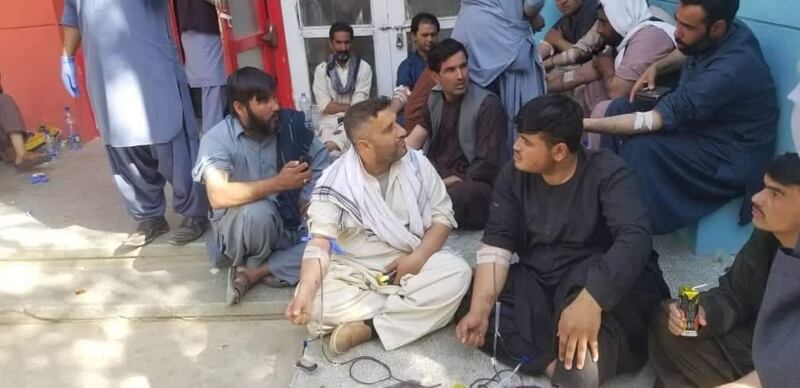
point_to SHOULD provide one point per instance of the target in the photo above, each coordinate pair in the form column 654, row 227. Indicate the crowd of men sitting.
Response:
column 565, row 153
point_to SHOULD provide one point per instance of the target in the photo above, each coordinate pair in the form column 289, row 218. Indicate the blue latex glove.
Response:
column 69, row 76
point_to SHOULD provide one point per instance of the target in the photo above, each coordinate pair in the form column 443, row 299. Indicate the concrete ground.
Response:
column 77, row 311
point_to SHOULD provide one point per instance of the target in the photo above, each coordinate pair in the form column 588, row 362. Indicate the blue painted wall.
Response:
column 776, row 23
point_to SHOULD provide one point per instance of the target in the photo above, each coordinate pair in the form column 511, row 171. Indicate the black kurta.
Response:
column 590, row 232
column 723, row 351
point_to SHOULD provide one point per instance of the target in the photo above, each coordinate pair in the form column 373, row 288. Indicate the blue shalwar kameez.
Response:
column 503, row 54
column 141, row 102
column 718, row 135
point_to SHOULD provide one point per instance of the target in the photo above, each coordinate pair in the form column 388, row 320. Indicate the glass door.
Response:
column 249, row 31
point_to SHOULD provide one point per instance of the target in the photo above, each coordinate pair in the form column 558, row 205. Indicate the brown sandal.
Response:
column 238, row 285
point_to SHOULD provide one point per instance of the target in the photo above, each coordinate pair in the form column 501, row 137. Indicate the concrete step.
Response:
column 141, row 288
column 135, row 354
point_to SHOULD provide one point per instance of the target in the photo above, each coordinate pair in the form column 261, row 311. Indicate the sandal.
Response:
column 238, row 285
column 273, row 281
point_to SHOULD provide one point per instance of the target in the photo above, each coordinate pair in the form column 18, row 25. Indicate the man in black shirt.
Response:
column 578, row 301
column 747, row 324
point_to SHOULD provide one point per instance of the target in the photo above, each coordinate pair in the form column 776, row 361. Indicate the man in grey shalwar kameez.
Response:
column 202, row 46
column 139, row 95
column 258, row 165
column 503, row 54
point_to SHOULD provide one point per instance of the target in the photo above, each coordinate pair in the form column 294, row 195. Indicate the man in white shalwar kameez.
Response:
column 388, row 210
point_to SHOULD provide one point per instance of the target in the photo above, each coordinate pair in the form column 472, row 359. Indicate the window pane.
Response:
column 440, row 8
column 326, row 12
column 251, row 57
column 243, row 17
column 317, row 51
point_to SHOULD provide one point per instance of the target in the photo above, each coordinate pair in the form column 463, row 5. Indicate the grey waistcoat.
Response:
column 467, row 116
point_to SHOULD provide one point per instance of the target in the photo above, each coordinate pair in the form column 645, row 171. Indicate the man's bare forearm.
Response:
column 750, row 380
column 313, row 270
column 72, row 40
column 671, row 63
column 571, row 79
column 623, row 124
column 433, row 240
column 223, row 194
column 334, row 107
column 488, row 284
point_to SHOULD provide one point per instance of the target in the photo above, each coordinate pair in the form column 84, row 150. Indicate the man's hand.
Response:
column 646, row 81
column 331, row 146
column 604, row 65
column 677, row 321
column 294, row 175
column 410, row 264
column 577, row 331
column 298, row 311
column 472, row 329
column 451, row 181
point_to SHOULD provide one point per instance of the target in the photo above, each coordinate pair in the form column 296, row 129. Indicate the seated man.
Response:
column 258, row 165
column 424, row 30
column 342, row 80
column 389, row 212
column 578, row 301
column 640, row 41
column 464, row 126
column 579, row 17
column 12, row 139
column 709, row 140
column 747, row 325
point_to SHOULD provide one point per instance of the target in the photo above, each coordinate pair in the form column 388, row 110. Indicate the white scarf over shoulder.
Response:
column 346, row 184
column 628, row 17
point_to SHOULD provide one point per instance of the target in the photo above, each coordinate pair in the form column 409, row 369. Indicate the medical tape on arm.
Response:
column 488, row 254
column 313, row 252
column 643, row 122
column 568, row 77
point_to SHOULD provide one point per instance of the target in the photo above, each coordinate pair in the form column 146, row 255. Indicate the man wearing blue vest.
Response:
column 258, row 165
column 462, row 129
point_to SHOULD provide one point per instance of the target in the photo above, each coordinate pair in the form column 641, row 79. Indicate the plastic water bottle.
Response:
column 51, row 144
column 73, row 138
column 305, row 106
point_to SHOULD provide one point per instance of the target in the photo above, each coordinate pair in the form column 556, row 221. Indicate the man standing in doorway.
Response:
column 141, row 103
column 202, row 46
column 342, row 80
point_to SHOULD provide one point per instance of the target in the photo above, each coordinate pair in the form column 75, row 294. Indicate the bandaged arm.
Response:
column 568, row 80
column 580, row 52
column 315, row 263
column 629, row 124
column 491, row 273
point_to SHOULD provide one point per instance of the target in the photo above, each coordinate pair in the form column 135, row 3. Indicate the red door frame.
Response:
column 269, row 17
